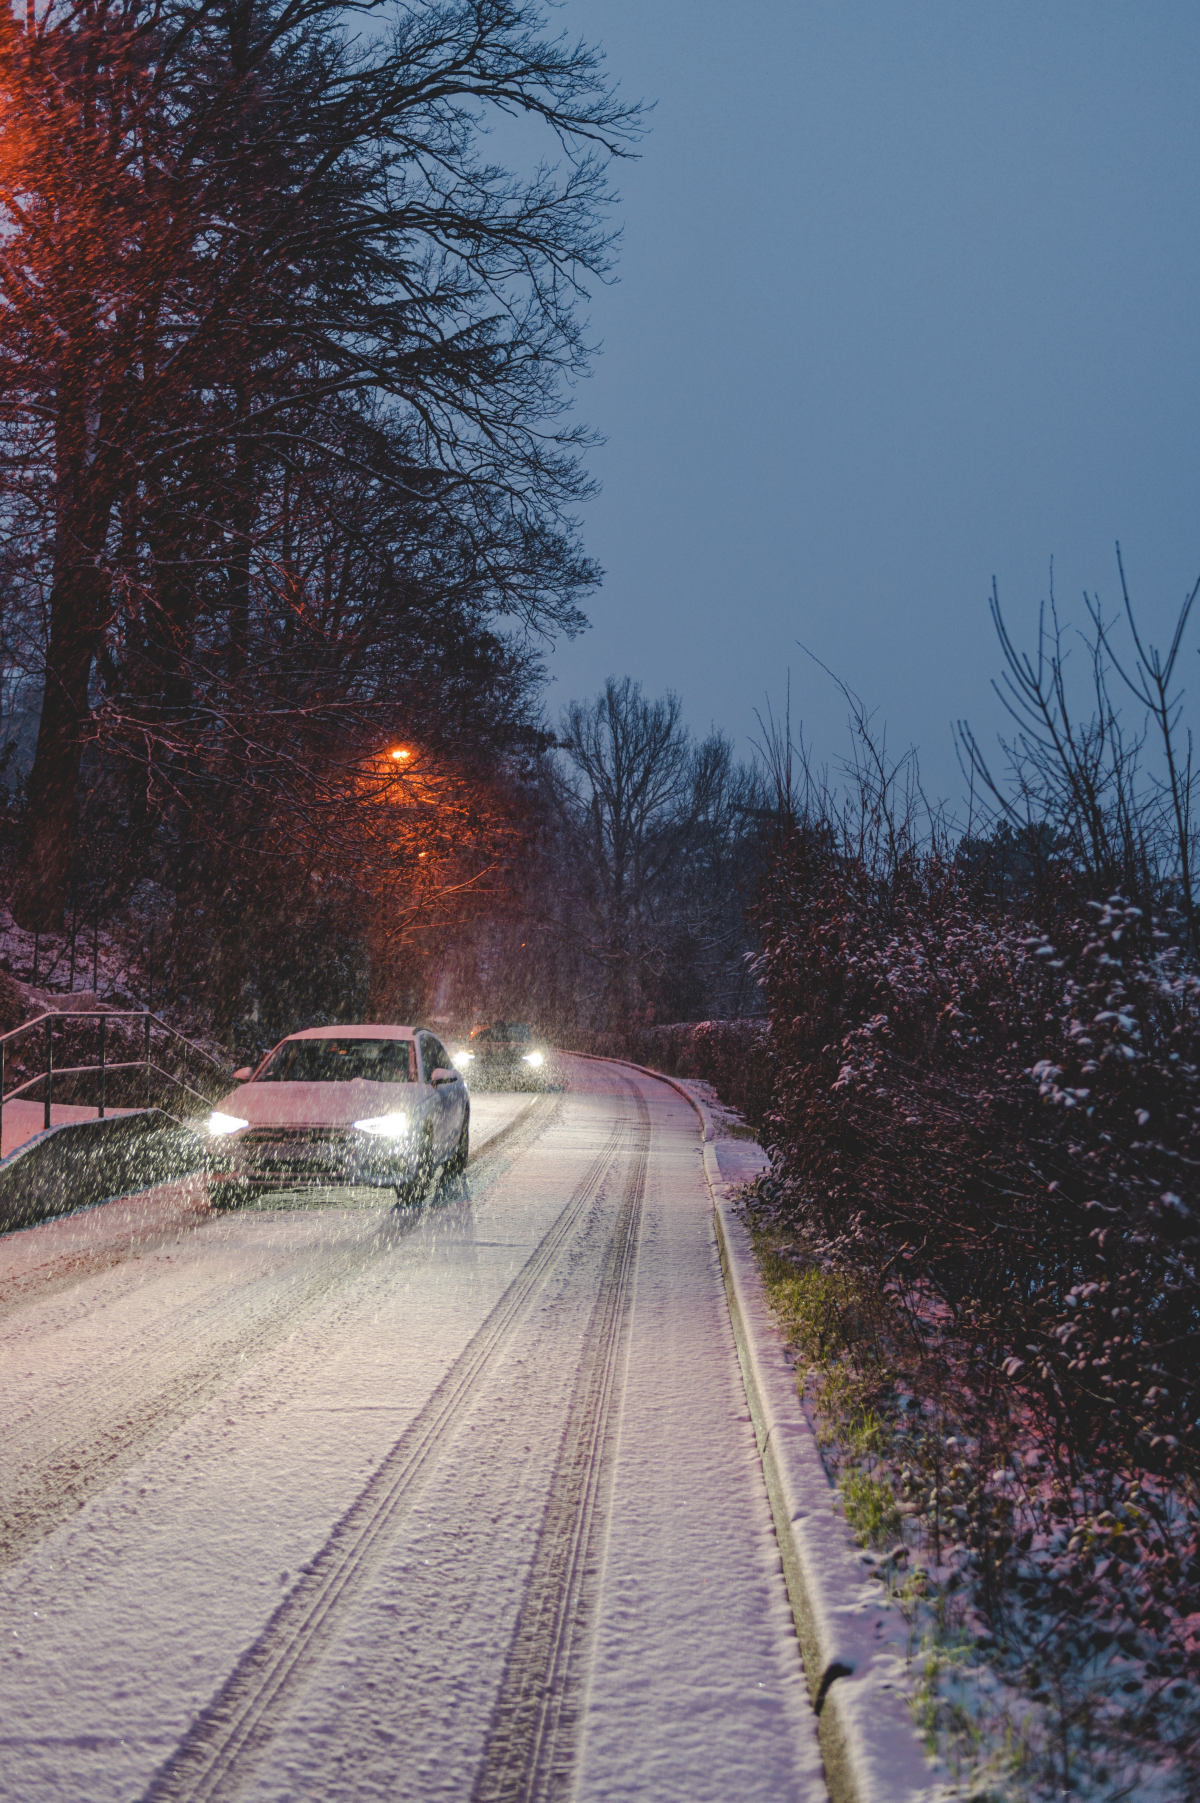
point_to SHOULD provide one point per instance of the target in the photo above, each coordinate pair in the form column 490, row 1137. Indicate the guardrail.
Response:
column 104, row 1066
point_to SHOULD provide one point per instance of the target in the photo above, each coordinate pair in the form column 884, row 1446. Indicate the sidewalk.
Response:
column 24, row 1120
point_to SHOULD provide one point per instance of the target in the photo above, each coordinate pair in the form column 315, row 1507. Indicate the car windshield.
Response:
column 337, row 1061
column 504, row 1032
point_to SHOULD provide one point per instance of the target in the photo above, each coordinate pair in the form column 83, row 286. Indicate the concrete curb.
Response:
column 855, row 1650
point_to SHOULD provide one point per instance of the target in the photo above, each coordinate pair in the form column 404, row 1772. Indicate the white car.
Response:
column 375, row 1105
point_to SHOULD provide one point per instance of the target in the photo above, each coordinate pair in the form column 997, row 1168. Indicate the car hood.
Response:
column 320, row 1104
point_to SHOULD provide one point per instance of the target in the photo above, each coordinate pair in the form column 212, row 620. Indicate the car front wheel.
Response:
column 410, row 1191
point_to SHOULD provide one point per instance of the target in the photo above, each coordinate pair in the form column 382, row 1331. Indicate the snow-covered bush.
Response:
column 1002, row 1130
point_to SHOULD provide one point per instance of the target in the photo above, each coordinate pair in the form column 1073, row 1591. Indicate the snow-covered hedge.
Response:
column 1000, row 1130
column 1009, row 1125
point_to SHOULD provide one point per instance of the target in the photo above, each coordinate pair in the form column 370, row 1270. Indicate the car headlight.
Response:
column 385, row 1126
column 462, row 1059
column 533, row 1058
column 225, row 1123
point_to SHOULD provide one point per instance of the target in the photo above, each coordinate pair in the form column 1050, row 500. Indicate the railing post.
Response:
column 103, row 1024
column 147, row 1057
column 49, row 1069
column 3, row 1059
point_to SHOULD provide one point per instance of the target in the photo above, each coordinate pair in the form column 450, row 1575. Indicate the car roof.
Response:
column 360, row 1030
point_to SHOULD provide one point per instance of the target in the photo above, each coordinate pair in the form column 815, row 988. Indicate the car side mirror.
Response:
column 242, row 1076
column 442, row 1075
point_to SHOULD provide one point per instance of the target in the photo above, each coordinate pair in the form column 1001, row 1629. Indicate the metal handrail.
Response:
column 83, row 1070
column 103, row 1015
column 111, row 1014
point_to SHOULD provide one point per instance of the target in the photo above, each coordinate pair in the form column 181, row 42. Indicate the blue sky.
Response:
column 908, row 298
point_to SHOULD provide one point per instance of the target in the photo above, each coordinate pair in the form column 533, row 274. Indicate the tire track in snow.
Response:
column 72, row 1446
column 533, row 1744
column 219, row 1751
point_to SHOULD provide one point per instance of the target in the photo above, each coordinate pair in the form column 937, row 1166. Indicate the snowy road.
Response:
column 324, row 1503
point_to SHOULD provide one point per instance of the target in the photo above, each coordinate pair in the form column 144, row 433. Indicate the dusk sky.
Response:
column 907, row 299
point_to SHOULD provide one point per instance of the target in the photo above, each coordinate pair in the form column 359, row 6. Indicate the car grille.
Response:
column 295, row 1149
column 293, row 1136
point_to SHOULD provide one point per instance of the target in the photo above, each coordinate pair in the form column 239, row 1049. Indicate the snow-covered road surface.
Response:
column 325, row 1503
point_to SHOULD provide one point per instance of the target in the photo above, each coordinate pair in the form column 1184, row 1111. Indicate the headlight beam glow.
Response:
column 384, row 1126
column 225, row 1123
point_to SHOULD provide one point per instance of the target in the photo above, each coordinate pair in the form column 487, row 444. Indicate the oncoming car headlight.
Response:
column 225, row 1123
column 462, row 1059
column 384, row 1126
column 533, row 1058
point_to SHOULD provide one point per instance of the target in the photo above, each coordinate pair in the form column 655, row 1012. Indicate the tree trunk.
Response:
column 86, row 492
column 41, row 892
column 241, row 527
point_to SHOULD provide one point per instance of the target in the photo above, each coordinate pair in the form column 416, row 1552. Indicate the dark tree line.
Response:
column 285, row 472
column 627, row 904
column 655, row 835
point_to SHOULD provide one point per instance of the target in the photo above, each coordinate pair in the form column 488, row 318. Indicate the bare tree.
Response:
column 225, row 225
column 652, row 853
column 1081, row 792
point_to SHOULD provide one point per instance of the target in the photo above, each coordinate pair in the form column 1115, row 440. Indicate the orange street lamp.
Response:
column 401, row 754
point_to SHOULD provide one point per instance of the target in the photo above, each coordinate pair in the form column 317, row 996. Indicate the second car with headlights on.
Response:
column 505, row 1055
column 379, row 1106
